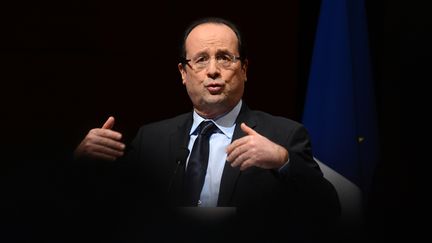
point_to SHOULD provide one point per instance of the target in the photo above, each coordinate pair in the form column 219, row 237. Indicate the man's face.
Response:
column 213, row 89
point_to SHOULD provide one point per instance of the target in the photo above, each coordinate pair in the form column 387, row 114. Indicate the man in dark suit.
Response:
column 255, row 161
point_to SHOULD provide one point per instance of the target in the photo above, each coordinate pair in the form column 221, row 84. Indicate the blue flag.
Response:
column 339, row 110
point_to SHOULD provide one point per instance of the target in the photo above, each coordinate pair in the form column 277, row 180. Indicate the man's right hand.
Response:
column 101, row 143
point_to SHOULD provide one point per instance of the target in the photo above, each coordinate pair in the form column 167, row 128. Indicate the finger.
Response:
column 106, row 133
column 247, row 130
column 107, row 142
column 236, row 143
column 106, row 150
column 109, row 124
column 239, row 160
column 235, row 153
column 246, row 164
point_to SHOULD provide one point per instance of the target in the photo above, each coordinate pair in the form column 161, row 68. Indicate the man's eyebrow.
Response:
column 218, row 52
column 201, row 53
column 224, row 51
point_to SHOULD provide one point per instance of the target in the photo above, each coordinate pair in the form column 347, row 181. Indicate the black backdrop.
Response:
column 68, row 65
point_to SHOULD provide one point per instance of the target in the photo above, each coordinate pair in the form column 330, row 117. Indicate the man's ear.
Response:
column 182, row 70
column 244, row 67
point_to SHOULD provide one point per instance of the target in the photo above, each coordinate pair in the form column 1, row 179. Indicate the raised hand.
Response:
column 101, row 143
column 255, row 150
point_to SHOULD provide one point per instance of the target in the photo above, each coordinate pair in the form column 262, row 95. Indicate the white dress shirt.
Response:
column 217, row 153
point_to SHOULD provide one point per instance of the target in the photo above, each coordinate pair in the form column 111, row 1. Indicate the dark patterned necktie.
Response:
column 197, row 165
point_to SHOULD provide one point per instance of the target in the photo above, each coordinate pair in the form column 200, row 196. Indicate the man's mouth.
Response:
column 215, row 88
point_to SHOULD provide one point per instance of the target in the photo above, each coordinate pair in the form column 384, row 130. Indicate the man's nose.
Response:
column 213, row 70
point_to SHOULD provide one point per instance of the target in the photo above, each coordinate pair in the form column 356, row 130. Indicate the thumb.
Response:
column 247, row 130
column 109, row 124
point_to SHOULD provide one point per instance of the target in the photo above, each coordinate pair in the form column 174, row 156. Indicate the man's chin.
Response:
column 215, row 100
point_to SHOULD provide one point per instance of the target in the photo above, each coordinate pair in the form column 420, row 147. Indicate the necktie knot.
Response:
column 206, row 128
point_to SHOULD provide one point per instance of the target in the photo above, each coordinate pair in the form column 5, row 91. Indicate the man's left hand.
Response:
column 255, row 150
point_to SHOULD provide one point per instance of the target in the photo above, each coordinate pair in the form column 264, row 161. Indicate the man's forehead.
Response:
column 211, row 34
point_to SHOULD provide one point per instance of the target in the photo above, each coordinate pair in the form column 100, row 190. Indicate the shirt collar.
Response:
column 225, row 122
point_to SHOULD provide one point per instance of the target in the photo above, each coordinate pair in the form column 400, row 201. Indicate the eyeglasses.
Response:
column 201, row 62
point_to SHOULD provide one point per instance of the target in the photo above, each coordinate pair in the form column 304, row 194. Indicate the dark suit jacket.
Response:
column 148, row 179
column 153, row 154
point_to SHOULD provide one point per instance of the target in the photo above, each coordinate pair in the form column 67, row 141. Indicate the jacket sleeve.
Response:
column 317, row 194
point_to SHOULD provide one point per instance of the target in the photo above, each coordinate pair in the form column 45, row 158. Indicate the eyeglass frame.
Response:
column 184, row 61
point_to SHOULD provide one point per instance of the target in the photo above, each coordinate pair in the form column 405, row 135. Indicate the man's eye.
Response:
column 201, row 59
column 223, row 58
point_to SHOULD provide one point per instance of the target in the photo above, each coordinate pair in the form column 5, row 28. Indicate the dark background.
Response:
column 68, row 65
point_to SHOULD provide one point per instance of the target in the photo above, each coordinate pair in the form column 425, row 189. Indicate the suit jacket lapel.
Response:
column 179, row 139
column 230, row 174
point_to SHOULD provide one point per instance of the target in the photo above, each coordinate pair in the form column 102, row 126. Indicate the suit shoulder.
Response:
column 279, row 121
column 167, row 124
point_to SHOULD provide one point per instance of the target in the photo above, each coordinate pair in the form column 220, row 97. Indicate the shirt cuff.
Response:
column 285, row 168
